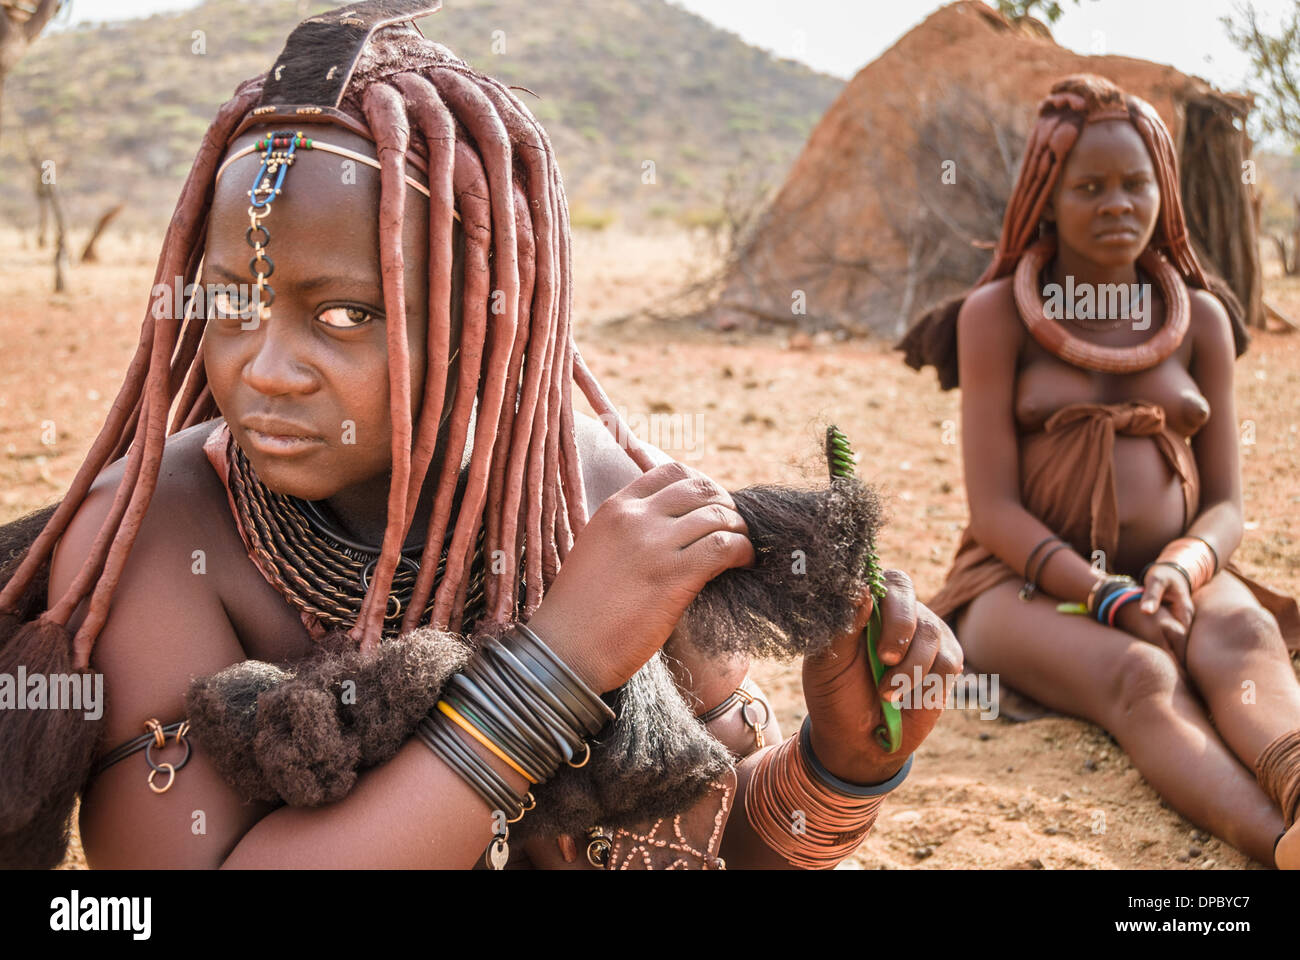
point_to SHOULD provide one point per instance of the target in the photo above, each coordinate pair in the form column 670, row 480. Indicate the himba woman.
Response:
column 1101, row 467
column 372, row 452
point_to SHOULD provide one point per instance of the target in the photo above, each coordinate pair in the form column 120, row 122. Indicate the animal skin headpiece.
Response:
column 307, row 82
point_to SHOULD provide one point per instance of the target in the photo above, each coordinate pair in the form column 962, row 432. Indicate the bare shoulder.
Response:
column 606, row 466
column 1210, row 326
column 166, row 622
column 990, row 311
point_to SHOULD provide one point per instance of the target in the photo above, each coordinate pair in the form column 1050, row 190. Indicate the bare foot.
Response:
column 1287, row 855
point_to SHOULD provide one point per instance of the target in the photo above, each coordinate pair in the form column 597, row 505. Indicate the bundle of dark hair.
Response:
column 302, row 733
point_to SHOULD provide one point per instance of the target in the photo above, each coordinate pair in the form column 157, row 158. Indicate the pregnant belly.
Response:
column 1149, row 499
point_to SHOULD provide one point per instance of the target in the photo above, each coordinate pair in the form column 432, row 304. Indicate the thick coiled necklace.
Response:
column 322, row 571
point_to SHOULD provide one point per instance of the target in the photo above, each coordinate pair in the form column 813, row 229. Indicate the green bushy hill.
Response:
column 121, row 106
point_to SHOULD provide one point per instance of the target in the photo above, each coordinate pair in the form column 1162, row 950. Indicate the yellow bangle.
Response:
column 474, row 732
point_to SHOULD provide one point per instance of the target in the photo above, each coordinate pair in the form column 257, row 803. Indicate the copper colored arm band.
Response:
column 1192, row 557
column 808, row 824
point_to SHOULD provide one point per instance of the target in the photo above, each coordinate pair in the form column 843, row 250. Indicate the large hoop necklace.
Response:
column 322, row 571
column 1056, row 339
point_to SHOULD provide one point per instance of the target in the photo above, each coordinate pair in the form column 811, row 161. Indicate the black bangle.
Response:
column 439, row 736
column 578, row 705
column 482, row 696
column 593, row 703
column 520, row 710
column 534, row 767
column 1031, row 582
column 843, row 786
column 1029, row 561
column 1180, row 568
column 1042, row 565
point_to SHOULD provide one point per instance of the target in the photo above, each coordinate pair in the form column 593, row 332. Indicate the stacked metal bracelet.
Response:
column 524, row 705
column 805, row 813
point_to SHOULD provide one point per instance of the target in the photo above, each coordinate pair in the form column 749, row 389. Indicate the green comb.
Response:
column 840, row 459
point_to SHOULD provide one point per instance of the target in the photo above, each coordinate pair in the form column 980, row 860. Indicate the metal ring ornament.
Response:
column 402, row 560
column 530, row 803
column 767, row 713
column 171, row 777
column 585, row 757
column 148, row 755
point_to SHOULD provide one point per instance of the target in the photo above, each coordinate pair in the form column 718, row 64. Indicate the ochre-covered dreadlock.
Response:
column 486, row 156
column 1061, row 118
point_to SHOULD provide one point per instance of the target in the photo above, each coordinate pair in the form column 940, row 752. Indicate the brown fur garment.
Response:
column 15, row 539
column 45, row 755
column 303, row 732
column 811, row 549
column 290, row 734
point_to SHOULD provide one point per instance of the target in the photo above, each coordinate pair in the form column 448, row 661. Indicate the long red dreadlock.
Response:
column 486, row 156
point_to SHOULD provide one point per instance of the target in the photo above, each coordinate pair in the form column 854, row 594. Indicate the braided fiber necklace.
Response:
column 320, row 570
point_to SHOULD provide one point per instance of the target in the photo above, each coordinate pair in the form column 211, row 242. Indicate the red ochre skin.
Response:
column 318, row 362
column 1124, row 679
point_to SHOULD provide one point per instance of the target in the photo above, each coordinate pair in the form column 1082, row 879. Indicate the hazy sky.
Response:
column 842, row 36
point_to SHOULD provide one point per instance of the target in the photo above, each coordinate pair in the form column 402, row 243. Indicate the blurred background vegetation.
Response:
column 120, row 107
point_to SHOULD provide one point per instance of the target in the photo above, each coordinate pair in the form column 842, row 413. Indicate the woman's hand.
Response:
column 634, row 569
column 1164, row 584
column 1160, row 628
column 842, row 697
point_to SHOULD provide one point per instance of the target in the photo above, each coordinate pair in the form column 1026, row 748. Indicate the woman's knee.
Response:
column 1144, row 676
column 1232, row 635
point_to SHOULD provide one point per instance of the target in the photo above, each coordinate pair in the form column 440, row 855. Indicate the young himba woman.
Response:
column 1098, row 446
column 407, row 284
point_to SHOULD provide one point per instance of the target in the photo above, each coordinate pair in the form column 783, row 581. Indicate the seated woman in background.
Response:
column 365, row 446
column 1101, row 470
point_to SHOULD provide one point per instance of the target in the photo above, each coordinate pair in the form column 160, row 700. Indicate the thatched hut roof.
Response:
column 900, row 189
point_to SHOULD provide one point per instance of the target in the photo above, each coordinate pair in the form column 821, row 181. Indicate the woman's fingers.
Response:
column 897, row 618
column 1174, row 633
column 704, row 520
column 718, row 551
column 921, row 652
column 652, row 481
column 1155, row 591
column 951, row 660
column 688, row 493
column 1180, row 604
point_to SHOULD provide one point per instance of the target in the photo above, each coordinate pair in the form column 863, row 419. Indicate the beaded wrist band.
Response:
column 808, row 816
column 1109, row 595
